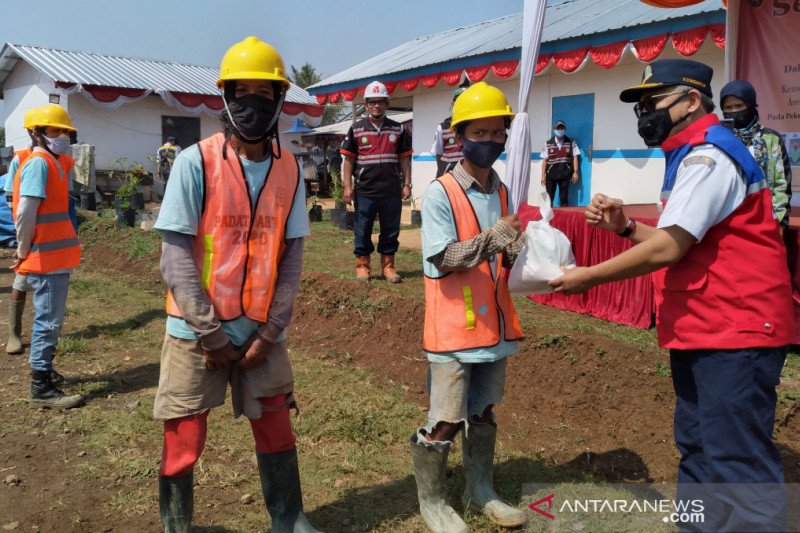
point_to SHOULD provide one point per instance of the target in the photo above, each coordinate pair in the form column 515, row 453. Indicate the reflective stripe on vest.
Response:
column 55, row 244
column 463, row 309
column 237, row 248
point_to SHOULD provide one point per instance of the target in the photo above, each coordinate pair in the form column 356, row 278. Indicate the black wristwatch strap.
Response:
column 629, row 227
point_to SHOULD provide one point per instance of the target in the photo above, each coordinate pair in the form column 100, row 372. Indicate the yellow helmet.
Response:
column 49, row 115
column 252, row 59
column 480, row 101
column 26, row 123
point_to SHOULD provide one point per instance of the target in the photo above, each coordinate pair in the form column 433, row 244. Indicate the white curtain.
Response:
column 518, row 162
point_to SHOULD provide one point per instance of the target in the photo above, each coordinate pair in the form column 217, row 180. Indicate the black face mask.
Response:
column 253, row 117
column 741, row 119
column 654, row 127
column 482, row 153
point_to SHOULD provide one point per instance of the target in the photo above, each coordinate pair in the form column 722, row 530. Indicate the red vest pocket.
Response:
column 757, row 326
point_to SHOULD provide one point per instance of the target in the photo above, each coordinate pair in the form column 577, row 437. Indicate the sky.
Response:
column 332, row 35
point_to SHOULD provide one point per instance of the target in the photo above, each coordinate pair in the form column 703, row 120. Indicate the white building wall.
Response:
column 634, row 179
column 24, row 89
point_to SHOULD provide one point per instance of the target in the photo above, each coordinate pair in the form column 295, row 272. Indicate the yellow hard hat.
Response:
column 26, row 123
column 49, row 115
column 480, row 101
column 252, row 59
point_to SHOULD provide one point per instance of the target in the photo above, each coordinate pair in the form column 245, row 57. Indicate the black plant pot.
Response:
column 315, row 213
column 347, row 220
column 336, row 216
column 88, row 201
column 125, row 216
column 137, row 200
column 416, row 217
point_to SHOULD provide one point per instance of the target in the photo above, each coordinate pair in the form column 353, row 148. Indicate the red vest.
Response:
column 451, row 150
column 463, row 309
column 731, row 290
column 237, row 249
column 55, row 244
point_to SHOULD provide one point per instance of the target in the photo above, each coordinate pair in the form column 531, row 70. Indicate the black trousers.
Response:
column 563, row 191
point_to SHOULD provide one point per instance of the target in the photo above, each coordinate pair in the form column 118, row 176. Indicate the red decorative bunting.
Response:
column 505, row 69
column 390, row 86
column 349, row 94
column 452, row 78
column 542, row 61
column 476, row 74
column 333, row 97
column 193, row 100
column 410, row 84
column 570, row 60
column 608, row 55
column 649, row 48
column 291, row 108
column 109, row 94
column 431, row 80
column 718, row 34
column 689, row 41
column 321, row 99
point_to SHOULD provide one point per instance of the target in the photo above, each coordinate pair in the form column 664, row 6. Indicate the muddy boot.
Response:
column 430, row 466
column 479, row 495
column 362, row 267
column 15, row 309
column 176, row 503
column 45, row 394
column 280, row 482
column 58, row 379
column 387, row 266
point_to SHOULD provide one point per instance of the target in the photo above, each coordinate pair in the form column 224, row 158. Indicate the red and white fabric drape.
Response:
column 686, row 42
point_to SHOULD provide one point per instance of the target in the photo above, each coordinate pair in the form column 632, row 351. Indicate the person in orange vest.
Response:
column 20, row 286
column 471, row 327
column 233, row 222
column 48, row 246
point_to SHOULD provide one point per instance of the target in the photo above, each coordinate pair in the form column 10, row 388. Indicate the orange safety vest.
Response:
column 55, row 244
column 237, row 249
column 463, row 309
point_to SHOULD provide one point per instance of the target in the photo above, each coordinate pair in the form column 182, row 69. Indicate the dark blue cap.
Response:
column 740, row 89
column 670, row 72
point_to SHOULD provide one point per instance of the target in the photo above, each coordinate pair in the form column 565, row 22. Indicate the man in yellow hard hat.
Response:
column 20, row 287
column 48, row 246
column 233, row 221
column 471, row 326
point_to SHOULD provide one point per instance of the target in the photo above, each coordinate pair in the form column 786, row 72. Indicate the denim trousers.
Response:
column 49, row 307
column 387, row 210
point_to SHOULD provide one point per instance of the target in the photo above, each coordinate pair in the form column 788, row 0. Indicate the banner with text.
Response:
column 768, row 56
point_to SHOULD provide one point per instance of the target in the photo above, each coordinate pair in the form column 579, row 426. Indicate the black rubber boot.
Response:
column 176, row 503
column 45, row 394
column 280, row 481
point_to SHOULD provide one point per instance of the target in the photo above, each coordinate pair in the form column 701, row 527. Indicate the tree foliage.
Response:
column 304, row 77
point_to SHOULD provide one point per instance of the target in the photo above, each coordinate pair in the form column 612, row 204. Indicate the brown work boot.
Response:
column 362, row 267
column 387, row 266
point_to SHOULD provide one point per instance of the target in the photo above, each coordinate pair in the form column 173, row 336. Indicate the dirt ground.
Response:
column 587, row 405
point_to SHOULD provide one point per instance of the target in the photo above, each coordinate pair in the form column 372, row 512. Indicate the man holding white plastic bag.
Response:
column 471, row 325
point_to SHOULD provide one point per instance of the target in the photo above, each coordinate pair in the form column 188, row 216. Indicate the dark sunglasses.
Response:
column 648, row 105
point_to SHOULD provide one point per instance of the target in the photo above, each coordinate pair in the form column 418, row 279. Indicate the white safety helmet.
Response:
column 376, row 90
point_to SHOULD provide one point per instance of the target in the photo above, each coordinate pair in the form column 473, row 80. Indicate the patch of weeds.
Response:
column 600, row 352
column 663, row 370
column 571, row 359
column 553, row 340
column 141, row 246
column 369, row 308
column 71, row 345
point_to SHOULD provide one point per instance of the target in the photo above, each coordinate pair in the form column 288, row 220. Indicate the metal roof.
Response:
column 124, row 72
column 569, row 24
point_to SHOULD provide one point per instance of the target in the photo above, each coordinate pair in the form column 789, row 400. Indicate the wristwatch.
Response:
column 629, row 227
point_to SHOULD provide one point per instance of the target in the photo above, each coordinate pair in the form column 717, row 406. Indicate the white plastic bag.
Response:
column 545, row 252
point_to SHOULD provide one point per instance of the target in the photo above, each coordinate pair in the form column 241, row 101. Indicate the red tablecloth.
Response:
column 628, row 302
